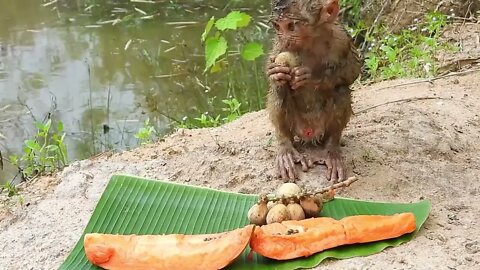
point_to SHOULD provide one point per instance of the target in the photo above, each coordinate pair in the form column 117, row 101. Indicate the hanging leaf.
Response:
column 251, row 51
column 233, row 20
column 214, row 48
column 133, row 205
column 208, row 27
column 59, row 126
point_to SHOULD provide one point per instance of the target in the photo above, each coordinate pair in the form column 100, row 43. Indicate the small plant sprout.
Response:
column 146, row 133
column 45, row 152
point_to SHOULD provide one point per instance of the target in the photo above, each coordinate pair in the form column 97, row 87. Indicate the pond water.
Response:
column 71, row 61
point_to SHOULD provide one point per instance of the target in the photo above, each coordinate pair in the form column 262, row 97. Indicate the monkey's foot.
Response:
column 335, row 166
column 285, row 162
column 333, row 160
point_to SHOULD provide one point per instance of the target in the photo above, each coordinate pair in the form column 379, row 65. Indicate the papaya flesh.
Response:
column 302, row 238
column 172, row 251
column 370, row 228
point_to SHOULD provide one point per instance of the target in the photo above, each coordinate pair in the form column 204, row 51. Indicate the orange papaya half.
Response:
column 302, row 238
column 171, row 251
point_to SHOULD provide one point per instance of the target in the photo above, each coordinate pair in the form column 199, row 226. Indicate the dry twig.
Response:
column 398, row 101
column 338, row 185
column 430, row 80
column 330, row 189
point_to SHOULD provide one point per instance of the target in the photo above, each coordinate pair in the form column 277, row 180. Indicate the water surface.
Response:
column 67, row 60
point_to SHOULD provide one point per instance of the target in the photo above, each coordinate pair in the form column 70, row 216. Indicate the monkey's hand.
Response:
column 286, row 159
column 300, row 77
column 280, row 75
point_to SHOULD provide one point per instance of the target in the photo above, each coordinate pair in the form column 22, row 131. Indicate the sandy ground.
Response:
column 400, row 151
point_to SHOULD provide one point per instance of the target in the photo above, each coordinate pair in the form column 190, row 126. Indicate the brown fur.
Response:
column 324, row 103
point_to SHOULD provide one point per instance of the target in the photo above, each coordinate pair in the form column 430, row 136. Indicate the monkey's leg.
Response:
column 329, row 154
column 334, row 158
column 287, row 155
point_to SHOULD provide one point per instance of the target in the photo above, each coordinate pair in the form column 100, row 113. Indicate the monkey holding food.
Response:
column 310, row 96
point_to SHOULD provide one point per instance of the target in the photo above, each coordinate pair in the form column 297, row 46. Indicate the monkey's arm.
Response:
column 343, row 73
column 349, row 69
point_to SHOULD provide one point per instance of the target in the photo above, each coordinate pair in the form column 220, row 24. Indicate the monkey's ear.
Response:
column 329, row 12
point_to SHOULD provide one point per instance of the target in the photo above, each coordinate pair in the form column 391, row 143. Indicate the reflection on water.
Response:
column 59, row 60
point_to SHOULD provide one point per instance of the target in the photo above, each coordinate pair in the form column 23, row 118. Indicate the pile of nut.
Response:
column 289, row 203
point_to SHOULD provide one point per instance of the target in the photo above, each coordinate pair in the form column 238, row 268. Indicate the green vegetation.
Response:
column 46, row 152
column 352, row 9
column 410, row 53
column 217, row 45
column 232, row 112
column 10, row 188
column 145, row 134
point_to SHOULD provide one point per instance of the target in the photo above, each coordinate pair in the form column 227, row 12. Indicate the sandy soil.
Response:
column 400, row 151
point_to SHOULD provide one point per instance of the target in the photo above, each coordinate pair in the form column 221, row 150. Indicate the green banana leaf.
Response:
column 133, row 205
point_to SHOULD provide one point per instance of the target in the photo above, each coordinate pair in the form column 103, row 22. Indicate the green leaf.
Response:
column 233, row 20
column 60, row 126
column 52, row 147
column 208, row 27
column 244, row 20
column 214, row 48
column 133, row 205
column 31, row 144
column 372, row 63
column 47, row 125
column 251, row 51
column 390, row 53
column 40, row 125
column 14, row 159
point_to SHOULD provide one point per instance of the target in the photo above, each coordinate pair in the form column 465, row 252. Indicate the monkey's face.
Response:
column 293, row 34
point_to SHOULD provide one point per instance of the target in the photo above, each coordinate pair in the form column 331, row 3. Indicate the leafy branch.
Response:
column 216, row 43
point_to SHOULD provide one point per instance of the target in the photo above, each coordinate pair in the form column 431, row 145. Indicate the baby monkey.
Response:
column 311, row 102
